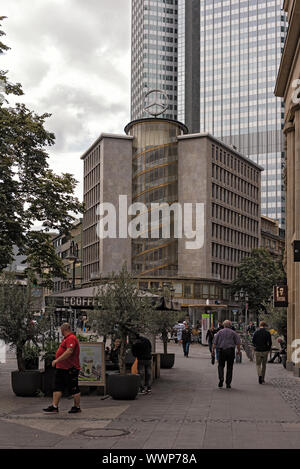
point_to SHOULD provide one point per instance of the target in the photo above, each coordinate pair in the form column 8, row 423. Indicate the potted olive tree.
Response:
column 162, row 322
column 123, row 311
column 19, row 329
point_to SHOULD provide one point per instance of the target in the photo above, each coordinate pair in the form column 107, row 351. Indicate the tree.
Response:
column 123, row 310
column 257, row 274
column 276, row 318
column 162, row 322
column 17, row 325
column 31, row 193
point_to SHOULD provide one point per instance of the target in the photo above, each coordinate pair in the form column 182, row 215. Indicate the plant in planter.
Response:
column 31, row 356
column 123, row 310
column 162, row 322
column 19, row 329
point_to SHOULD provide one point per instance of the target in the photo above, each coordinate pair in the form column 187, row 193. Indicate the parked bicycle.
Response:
column 246, row 342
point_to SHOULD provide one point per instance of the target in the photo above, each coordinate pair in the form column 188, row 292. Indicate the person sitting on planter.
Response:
column 141, row 349
column 67, row 366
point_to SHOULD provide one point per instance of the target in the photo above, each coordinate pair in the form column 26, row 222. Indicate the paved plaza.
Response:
column 186, row 410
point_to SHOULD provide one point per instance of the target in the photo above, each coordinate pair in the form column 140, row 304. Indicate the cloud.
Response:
column 73, row 60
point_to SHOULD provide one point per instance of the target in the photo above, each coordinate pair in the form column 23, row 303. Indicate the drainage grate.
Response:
column 103, row 432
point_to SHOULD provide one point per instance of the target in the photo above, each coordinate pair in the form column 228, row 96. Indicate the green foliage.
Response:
column 49, row 349
column 123, row 310
column 257, row 274
column 276, row 318
column 17, row 326
column 162, row 322
column 82, row 338
column 31, row 351
column 30, row 193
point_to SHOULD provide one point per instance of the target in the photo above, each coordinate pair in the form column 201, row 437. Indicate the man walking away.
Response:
column 226, row 340
column 67, row 370
column 186, row 338
column 262, row 342
column 141, row 349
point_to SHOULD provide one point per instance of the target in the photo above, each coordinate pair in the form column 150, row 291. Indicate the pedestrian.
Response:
column 280, row 352
column 262, row 342
column 210, row 337
column 179, row 328
column 186, row 338
column 67, row 366
column 141, row 349
column 115, row 350
column 226, row 340
column 251, row 328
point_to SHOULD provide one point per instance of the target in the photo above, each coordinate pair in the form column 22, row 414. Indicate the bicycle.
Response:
column 247, row 346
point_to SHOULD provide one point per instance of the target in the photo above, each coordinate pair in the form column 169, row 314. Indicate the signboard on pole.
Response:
column 92, row 364
column 280, row 296
column 205, row 326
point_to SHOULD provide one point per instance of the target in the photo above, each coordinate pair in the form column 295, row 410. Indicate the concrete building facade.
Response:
column 159, row 162
column 288, row 87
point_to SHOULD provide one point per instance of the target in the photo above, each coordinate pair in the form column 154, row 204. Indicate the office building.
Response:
column 159, row 162
column 288, row 87
column 227, row 55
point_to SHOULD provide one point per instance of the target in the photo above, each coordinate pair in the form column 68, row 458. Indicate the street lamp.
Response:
column 169, row 287
column 243, row 296
column 73, row 256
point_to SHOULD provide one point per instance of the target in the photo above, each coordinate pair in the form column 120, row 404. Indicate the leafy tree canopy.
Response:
column 257, row 274
column 123, row 310
column 31, row 194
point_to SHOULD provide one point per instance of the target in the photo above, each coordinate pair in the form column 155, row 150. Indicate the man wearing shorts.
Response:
column 67, row 370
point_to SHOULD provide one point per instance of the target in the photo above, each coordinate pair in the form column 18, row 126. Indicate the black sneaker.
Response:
column 142, row 391
column 260, row 380
column 51, row 410
column 228, row 386
column 74, row 410
column 149, row 390
column 220, row 384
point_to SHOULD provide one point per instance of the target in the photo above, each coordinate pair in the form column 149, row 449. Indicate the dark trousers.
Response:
column 145, row 371
column 226, row 357
column 186, row 348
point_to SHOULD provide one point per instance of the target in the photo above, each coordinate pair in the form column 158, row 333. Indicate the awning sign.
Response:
column 84, row 302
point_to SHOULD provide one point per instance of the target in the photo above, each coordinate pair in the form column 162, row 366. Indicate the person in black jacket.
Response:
column 262, row 342
column 186, row 339
column 141, row 349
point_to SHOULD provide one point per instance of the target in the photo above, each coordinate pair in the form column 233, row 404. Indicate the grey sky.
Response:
column 72, row 58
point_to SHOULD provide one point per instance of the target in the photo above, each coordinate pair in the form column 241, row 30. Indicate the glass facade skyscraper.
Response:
column 154, row 53
column 228, row 53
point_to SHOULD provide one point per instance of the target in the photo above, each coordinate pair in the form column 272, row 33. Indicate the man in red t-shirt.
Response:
column 67, row 366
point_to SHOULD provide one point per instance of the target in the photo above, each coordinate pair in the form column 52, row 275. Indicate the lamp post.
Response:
column 73, row 256
column 169, row 287
column 243, row 296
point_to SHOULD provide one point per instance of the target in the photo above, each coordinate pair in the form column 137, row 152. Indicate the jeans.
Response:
column 261, row 363
column 145, row 371
column 226, row 356
column 186, row 348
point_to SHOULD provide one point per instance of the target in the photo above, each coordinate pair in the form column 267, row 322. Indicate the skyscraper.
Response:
column 227, row 54
column 154, row 53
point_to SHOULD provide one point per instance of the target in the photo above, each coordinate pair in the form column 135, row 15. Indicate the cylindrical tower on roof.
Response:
column 155, row 180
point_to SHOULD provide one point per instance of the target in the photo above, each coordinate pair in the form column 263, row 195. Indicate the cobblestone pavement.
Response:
column 186, row 410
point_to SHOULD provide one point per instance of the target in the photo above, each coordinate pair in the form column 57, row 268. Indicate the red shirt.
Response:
column 70, row 341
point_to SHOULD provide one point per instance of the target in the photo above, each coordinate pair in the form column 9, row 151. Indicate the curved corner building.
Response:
column 155, row 180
